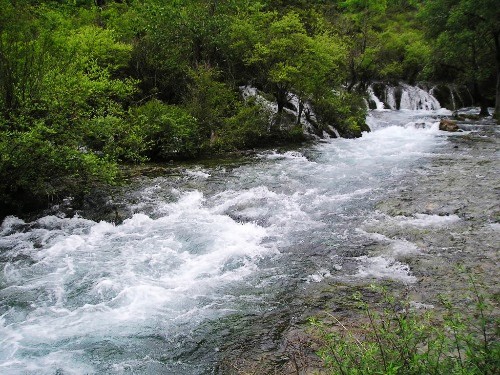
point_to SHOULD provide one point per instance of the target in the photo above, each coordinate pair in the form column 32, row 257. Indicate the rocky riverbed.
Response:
column 461, row 189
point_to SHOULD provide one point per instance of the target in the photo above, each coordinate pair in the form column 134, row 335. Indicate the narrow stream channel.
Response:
column 164, row 290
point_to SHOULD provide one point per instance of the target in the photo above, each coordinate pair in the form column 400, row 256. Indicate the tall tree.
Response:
column 287, row 59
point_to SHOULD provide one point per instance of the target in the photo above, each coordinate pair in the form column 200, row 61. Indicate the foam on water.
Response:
column 424, row 220
column 394, row 247
column 417, row 221
column 384, row 268
column 197, row 173
column 495, row 226
column 318, row 276
column 86, row 280
column 286, row 155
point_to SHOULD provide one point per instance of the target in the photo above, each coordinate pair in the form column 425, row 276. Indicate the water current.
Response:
column 164, row 290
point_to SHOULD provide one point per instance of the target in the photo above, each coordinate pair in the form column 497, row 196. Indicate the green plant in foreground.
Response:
column 402, row 340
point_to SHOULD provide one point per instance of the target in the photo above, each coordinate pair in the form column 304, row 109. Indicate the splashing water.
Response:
column 82, row 297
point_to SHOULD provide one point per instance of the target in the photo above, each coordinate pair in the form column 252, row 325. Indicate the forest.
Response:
column 86, row 87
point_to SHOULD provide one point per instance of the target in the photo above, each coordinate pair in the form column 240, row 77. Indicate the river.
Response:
column 205, row 255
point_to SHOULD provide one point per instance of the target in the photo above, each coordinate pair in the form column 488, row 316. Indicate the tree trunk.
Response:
column 496, row 36
column 354, row 77
column 481, row 100
column 281, row 95
column 484, row 109
column 300, row 110
column 280, row 106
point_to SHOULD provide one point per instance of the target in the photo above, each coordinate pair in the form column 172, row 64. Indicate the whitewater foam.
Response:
column 380, row 267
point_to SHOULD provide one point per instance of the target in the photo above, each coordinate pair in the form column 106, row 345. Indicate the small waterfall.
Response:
column 308, row 119
column 373, row 98
column 402, row 96
column 334, row 131
column 391, row 97
column 414, row 98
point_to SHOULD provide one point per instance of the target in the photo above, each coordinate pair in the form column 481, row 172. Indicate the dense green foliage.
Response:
column 85, row 85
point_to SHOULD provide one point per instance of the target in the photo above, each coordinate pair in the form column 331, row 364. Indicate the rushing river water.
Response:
column 164, row 290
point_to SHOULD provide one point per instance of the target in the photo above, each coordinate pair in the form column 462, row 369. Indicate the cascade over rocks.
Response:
column 308, row 118
column 382, row 95
column 401, row 96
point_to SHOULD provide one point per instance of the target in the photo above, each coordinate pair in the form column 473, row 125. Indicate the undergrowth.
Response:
column 401, row 339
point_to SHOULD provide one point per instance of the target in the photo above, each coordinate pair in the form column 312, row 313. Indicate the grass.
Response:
column 401, row 339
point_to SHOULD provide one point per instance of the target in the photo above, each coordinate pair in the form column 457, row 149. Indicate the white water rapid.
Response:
column 202, row 253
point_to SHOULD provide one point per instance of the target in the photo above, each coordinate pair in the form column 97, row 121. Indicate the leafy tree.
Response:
column 287, row 59
column 344, row 110
column 404, row 53
column 59, row 87
column 166, row 132
column 209, row 101
column 361, row 20
column 36, row 170
column 468, row 43
column 247, row 128
column 23, row 56
column 89, row 84
column 386, row 41
column 179, row 36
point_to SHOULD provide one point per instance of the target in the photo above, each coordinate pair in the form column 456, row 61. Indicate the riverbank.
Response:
column 444, row 215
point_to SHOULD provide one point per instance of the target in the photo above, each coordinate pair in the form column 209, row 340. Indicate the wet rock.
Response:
column 466, row 116
column 448, row 125
column 372, row 104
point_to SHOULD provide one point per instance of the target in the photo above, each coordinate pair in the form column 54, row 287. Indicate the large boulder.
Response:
column 448, row 125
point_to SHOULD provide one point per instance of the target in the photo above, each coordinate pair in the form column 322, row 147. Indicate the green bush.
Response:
column 37, row 169
column 167, row 131
column 401, row 340
column 247, row 129
column 344, row 111
column 114, row 136
column 252, row 126
column 210, row 101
